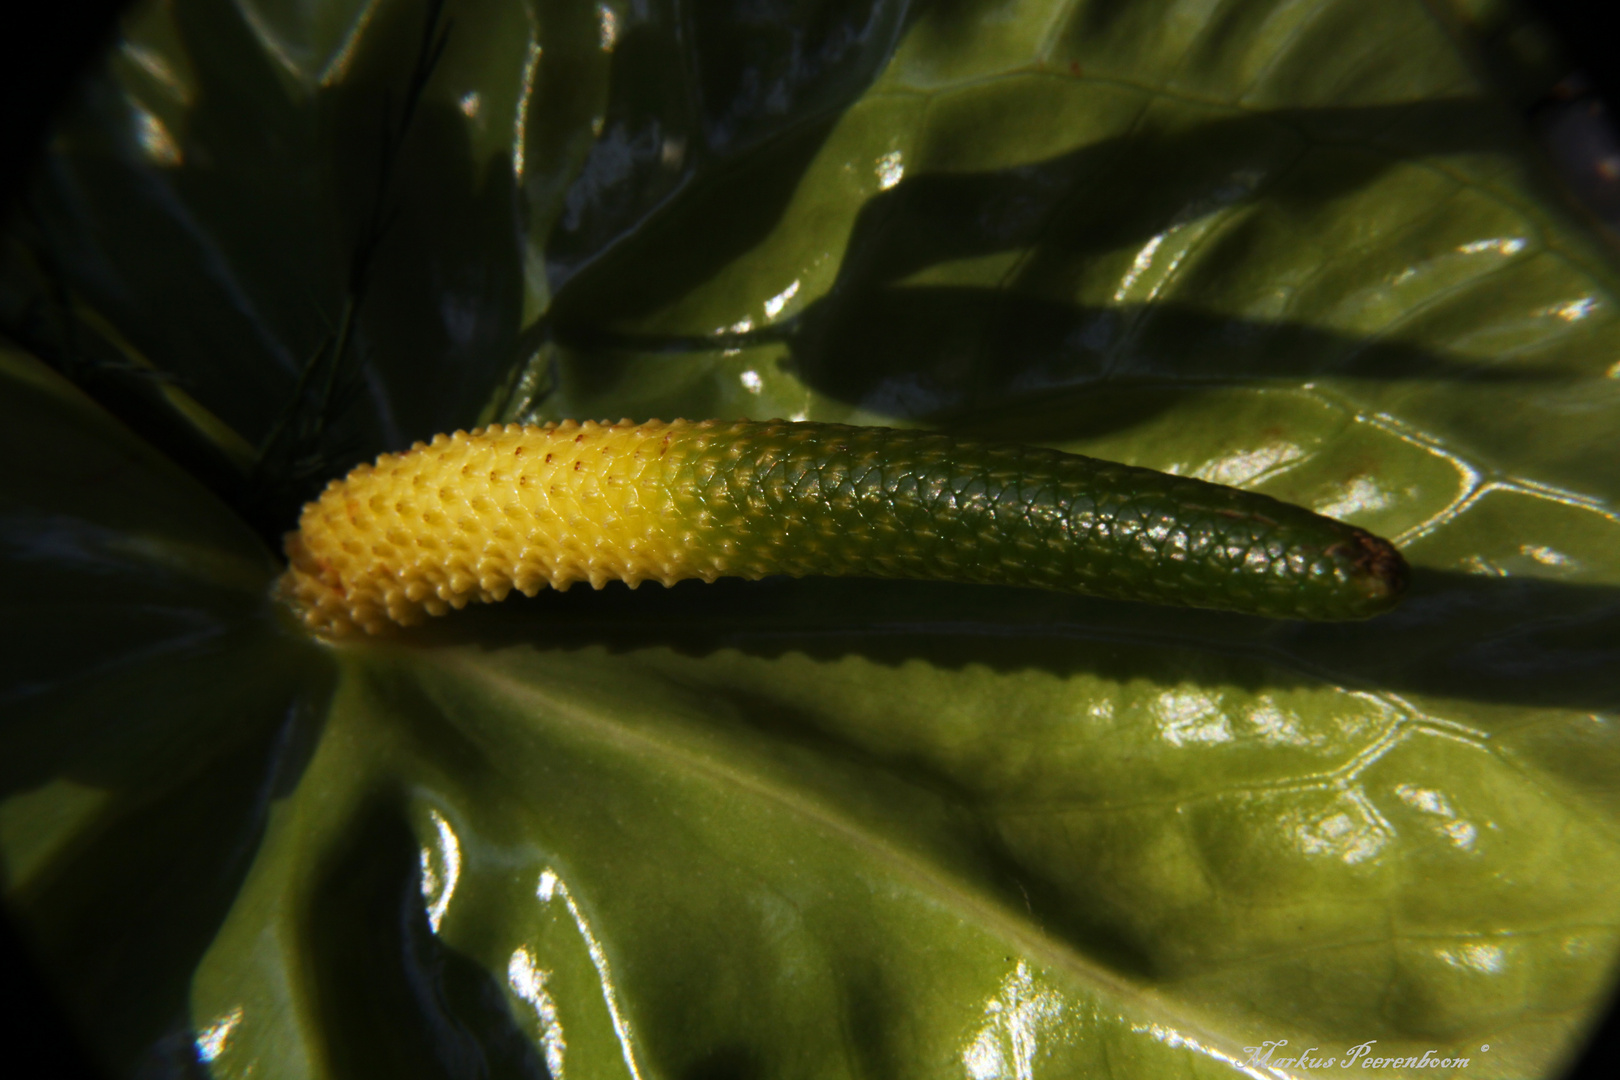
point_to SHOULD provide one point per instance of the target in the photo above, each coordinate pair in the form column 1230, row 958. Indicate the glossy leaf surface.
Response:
column 813, row 828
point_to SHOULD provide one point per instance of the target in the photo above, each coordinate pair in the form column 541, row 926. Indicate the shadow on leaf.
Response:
column 124, row 909
column 1512, row 641
column 955, row 353
column 394, row 1000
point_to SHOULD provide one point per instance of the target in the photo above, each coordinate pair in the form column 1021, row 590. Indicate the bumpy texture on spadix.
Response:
column 472, row 516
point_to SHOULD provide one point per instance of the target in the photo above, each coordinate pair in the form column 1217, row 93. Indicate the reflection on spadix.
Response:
column 529, row 983
column 551, row 889
column 440, row 874
column 211, row 1040
column 1015, row 1021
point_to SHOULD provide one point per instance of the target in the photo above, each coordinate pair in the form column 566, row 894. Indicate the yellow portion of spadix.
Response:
column 473, row 515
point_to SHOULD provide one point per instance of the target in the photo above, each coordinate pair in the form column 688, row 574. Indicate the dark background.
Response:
column 45, row 46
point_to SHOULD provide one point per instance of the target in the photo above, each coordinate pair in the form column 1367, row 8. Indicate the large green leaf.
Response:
column 812, row 828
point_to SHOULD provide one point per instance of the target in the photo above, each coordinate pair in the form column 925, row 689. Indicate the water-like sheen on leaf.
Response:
column 795, row 828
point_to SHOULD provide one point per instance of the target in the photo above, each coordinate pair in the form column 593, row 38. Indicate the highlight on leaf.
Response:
column 474, row 515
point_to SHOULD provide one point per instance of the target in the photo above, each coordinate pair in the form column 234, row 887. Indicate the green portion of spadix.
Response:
column 830, row 499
